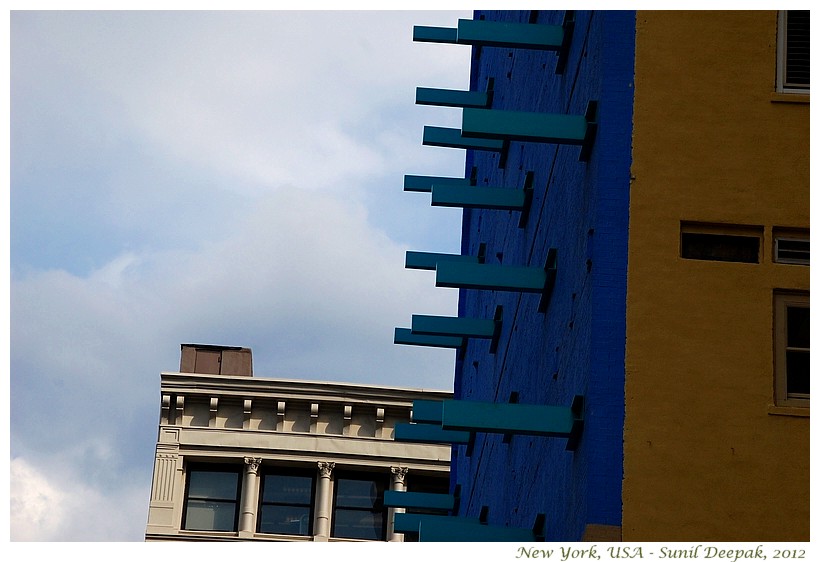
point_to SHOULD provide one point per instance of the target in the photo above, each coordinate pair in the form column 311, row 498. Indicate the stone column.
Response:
column 250, row 492
column 397, row 484
column 323, row 501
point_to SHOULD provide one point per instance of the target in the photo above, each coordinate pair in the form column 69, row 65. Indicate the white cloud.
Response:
column 38, row 509
column 256, row 97
column 48, row 503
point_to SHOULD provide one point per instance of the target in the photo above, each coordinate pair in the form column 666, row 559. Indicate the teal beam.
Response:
column 523, row 126
column 480, row 198
column 496, row 277
column 429, row 433
column 454, row 326
column 460, row 529
column 452, row 138
column 411, row 522
column 419, row 500
column 515, row 419
column 484, row 33
column 452, row 98
column 498, row 125
column 493, row 277
column 405, row 336
column 428, row 260
column 426, row 34
column 426, row 183
column 461, row 327
column 427, row 411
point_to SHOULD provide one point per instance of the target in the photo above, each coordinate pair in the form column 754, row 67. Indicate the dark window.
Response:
column 359, row 508
column 212, row 498
column 797, row 49
column 792, row 373
column 720, row 247
column 797, row 351
column 286, row 503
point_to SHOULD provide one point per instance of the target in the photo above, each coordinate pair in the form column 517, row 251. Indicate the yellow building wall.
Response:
column 706, row 456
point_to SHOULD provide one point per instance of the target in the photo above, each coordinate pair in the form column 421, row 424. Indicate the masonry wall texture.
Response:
column 576, row 347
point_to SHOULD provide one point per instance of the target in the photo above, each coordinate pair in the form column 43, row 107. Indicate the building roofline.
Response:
column 176, row 381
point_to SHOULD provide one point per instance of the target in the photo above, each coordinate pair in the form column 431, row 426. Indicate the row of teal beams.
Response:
column 498, row 476
column 488, row 130
column 461, row 192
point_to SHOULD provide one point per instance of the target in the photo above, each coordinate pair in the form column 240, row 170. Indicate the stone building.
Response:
column 240, row 457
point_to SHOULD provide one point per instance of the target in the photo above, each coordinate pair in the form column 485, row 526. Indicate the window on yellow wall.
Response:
column 791, row 335
column 793, row 51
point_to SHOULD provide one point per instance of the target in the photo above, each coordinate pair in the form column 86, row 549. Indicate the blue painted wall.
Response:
column 577, row 346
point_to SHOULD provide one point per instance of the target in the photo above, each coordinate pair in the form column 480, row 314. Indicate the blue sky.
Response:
column 207, row 177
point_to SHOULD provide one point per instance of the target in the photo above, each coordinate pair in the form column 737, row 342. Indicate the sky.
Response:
column 230, row 178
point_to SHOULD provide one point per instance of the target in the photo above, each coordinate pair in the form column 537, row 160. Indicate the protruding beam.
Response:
column 496, row 277
column 493, row 277
column 429, row 433
column 484, row 33
column 410, row 522
column 498, row 125
column 494, row 198
column 517, row 419
column 428, row 260
column 454, row 326
column 427, row 34
column 459, row 529
column 452, row 138
column 419, row 500
column 405, row 336
column 452, row 98
column 427, row 411
column 457, row 326
column 479, row 198
column 426, row 183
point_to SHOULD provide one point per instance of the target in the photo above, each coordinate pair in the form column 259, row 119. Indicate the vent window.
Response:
column 791, row 247
column 793, row 51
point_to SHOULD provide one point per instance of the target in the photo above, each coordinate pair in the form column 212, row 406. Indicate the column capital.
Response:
column 399, row 473
column 252, row 464
column 325, row 468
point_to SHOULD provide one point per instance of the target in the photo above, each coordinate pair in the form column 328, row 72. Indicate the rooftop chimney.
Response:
column 216, row 360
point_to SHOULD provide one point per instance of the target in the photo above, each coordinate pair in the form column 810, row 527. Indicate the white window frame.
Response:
column 783, row 301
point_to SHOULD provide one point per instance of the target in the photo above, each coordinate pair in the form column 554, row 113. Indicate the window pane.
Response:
column 280, row 488
column 286, row 520
column 358, row 493
column 719, row 247
column 208, row 515
column 213, row 484
column 355, row 524
column 797, row 327
column 797, row 372
column 797, row 48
